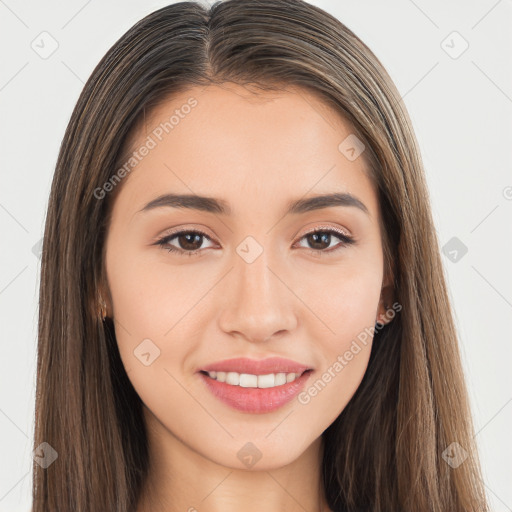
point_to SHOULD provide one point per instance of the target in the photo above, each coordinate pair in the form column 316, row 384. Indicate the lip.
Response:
column 255, row 400
column 257, row 367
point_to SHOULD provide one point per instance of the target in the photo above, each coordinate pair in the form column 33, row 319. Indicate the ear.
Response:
column 385, row 302
column 103, row 298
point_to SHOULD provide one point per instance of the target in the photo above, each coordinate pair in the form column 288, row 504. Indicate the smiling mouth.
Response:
column 249, row 380
column 251, row 393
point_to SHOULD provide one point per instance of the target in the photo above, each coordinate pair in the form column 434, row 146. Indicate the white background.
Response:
column 461, row 110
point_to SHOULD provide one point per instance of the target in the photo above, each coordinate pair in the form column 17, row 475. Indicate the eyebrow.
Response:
column 219, row 206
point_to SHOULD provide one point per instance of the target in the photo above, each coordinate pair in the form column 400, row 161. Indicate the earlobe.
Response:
column 385, row 301
column 102, row 301
column 102, row 308
column 382, row 318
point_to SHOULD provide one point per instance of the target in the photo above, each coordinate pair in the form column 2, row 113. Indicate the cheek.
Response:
column 352, row 309
column 143, row 302
column 344, row 298
column 148, row 299
column 157, row 302
column 347, row 310
column 150, row 310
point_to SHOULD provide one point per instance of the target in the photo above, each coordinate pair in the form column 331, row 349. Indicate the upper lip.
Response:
column 257, row 366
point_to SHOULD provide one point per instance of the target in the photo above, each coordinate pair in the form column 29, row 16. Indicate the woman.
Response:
column 292, row 346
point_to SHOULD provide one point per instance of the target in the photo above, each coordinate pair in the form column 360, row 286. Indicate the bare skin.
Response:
column 256, row 153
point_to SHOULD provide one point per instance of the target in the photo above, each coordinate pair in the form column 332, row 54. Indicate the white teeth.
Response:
column 233, row 378
column 248, row 380
column 290, row 377
column 280, row 379
column 268, row 381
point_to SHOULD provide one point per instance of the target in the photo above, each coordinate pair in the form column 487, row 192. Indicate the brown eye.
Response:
column 320, row 240
column 189, row 242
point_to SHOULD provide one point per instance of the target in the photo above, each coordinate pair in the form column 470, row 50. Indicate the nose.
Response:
column 258, row 304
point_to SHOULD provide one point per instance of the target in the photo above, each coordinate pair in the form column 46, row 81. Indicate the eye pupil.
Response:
column 190, row 238
column 320, row 238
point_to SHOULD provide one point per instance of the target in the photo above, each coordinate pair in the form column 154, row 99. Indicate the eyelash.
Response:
column 345, row 241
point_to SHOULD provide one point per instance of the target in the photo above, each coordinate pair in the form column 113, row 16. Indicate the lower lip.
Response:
column 256, row 400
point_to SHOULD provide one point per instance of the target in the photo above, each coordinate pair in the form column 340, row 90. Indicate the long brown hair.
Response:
column 385, row 450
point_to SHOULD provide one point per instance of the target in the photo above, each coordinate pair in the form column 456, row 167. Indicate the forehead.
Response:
column 230, row 113
column 227, row 141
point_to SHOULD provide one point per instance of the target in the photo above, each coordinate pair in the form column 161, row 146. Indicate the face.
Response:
column 243, row 274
